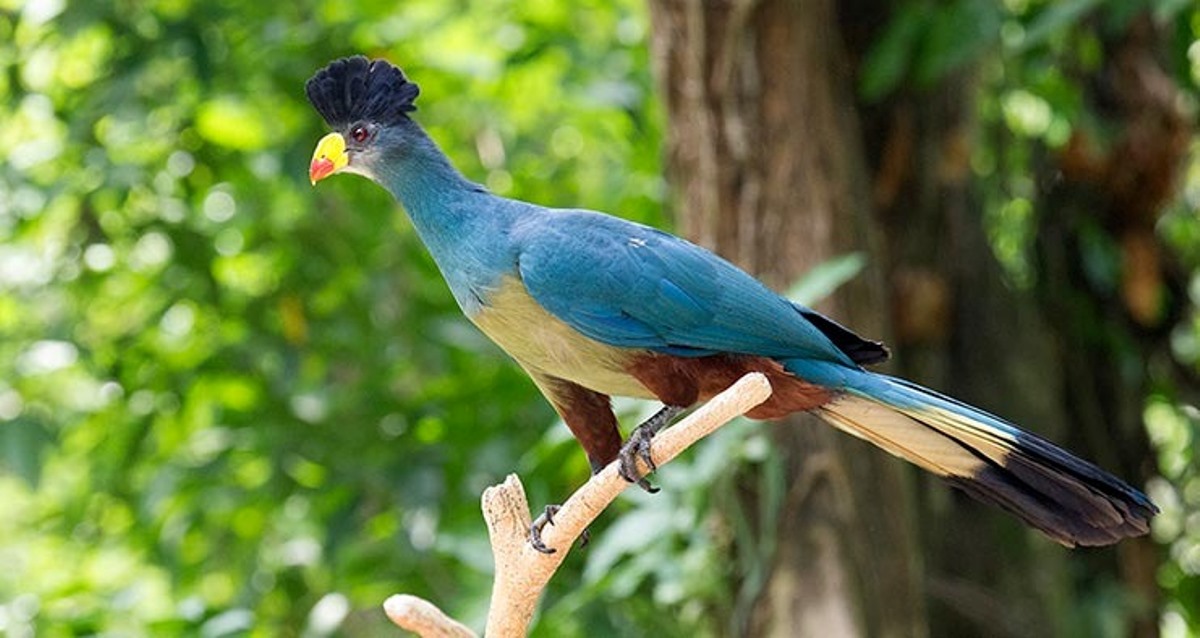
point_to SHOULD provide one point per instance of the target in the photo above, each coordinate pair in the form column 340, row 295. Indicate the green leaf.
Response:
column 1057, row 17
column 889, row 60
column 957, row 34
column 820, row 282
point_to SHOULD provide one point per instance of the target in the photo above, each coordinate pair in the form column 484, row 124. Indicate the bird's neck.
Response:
column 458, row 220
column 425, row 182
column 442, row 204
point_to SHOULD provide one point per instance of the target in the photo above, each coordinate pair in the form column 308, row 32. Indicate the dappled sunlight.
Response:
column 236, row 403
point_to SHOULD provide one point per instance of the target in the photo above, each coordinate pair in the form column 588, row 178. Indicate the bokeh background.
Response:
column 233, row 404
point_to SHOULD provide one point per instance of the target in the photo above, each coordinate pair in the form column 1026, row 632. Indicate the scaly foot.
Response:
column 540, row 523
column 638, row 447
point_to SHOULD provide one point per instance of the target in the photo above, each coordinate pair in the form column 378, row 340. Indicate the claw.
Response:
column 638, row 447
column 627, row 466
column 539, row 523
column 645, row 485
column 643, row 451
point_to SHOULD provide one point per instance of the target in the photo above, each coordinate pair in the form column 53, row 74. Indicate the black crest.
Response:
column 353, row 89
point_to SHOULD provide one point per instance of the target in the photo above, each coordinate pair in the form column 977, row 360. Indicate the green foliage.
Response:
column 231, row 403
column 925, row 41
column 1175, row 431
column 1031, row 52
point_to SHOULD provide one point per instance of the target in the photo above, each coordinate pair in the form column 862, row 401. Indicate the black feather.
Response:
column 355, row 89
column 861, row 351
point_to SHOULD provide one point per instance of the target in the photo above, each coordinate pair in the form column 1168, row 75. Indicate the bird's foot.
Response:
column 540, row 523
column 638, row 447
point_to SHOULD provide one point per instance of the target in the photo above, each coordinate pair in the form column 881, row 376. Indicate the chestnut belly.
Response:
column 687, row 380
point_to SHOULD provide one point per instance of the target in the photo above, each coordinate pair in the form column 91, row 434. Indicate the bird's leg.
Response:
column 589, row 416
column 638, row 446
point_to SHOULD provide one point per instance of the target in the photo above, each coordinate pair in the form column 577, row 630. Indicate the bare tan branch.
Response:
column 423, row 618
column 521, row 571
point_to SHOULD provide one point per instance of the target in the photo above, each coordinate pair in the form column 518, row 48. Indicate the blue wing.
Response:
column 632, row 286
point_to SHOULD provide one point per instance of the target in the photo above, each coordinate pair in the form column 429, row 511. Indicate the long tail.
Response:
column 1069, row 499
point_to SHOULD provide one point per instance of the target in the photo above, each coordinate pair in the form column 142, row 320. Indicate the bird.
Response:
column 593, row 306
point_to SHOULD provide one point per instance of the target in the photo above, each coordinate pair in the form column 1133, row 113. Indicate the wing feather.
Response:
column 632, row 286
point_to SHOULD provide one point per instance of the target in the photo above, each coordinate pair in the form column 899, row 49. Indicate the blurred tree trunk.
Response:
column 764, row 155
column 776, row 166
column 958, row 328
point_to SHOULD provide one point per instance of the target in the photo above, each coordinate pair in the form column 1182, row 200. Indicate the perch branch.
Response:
column 521, row 571
column 423, row 618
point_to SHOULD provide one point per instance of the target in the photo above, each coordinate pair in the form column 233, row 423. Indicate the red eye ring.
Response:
column 359, row 134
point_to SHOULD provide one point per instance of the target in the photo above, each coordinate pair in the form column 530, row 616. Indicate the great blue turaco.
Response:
column 594, row 306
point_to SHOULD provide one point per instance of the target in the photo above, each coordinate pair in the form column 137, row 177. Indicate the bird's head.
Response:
column 366, row 103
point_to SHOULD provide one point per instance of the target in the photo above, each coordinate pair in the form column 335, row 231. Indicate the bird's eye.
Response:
column 360, row 134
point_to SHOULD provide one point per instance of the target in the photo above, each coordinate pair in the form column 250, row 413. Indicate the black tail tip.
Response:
column 1101, row 513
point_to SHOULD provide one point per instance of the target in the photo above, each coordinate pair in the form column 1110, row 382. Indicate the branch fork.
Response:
column 523, row 572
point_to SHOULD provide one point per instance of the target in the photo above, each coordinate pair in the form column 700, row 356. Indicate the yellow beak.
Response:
column 329, row 158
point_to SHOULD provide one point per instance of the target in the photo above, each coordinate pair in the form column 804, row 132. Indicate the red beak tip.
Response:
column 320, row 169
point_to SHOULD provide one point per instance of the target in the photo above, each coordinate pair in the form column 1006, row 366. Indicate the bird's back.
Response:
column 633, row 286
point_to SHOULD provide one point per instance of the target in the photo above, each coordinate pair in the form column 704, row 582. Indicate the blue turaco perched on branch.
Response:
column 593, row 306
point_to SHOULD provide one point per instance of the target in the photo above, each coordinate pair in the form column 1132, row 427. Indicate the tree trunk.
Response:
column 768, row 157
column 764, row 155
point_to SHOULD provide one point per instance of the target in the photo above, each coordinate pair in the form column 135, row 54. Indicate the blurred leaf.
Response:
column 628, row 535
column 230, row 122
column 889, row 59
column 1054, row 18
column 22, row 445
column 826, row 277
column 956, row 34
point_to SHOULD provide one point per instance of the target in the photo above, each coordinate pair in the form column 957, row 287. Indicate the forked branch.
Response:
column 521, row 571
